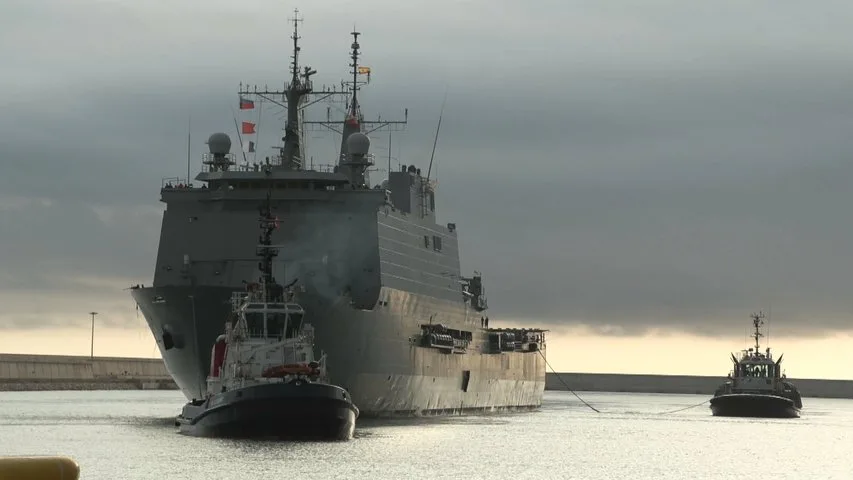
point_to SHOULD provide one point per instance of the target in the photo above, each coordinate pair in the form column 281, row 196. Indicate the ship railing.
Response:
column 303, row 83
column 370, row 157
column 176, row 183
column 238, row 298
column 248, row 166
column 209, row 163
column 319, row 167
column 322, row 167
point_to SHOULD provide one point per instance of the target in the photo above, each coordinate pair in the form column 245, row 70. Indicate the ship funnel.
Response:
column 219, row 144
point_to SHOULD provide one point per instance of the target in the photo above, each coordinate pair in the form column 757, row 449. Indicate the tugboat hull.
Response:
column 295, row 410
column 753, row 405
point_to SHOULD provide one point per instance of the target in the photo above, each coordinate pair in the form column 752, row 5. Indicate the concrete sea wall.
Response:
column 604, row 382
column 59, row 372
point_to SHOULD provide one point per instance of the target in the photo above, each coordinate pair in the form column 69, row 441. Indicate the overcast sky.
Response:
column 618, row 164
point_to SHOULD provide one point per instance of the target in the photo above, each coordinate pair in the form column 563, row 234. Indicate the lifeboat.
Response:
column 290, row 369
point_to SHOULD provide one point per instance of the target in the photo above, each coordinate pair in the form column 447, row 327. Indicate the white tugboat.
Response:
column 757, row 387
column 264, row 380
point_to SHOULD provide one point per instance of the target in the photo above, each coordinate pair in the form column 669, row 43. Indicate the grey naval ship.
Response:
column 403, row 330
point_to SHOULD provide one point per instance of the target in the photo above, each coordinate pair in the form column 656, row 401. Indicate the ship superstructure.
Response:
column 401, row 326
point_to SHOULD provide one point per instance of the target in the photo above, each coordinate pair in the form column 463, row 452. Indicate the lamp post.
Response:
column 92, row 351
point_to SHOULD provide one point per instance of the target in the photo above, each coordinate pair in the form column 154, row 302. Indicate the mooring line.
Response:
column 683, row 409
column 566, row 384
column 560, row 378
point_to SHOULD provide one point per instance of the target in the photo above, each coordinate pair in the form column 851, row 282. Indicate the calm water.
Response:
column 130, row 435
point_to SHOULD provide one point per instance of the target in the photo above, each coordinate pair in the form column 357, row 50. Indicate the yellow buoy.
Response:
column 38, row 468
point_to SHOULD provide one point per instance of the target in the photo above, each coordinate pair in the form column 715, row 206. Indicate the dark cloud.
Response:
column 690, row 258
column 620, row 166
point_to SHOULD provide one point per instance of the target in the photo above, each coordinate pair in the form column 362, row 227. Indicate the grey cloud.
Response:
column 625, row 167
column 45, row 245
column 686, row 258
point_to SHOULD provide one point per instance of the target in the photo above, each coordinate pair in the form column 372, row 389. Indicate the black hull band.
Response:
column 279, row 411
column 747, row 405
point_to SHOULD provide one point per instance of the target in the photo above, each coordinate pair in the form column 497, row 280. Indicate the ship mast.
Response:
column 354, row 168
column 294, row 93
column 294, row 99
column 757, row 321
column 353, row 120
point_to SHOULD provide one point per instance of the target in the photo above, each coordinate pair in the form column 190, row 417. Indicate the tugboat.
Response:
column 264, row 381
column 756, row 387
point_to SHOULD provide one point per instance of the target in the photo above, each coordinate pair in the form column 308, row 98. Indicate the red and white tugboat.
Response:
column 264, row 379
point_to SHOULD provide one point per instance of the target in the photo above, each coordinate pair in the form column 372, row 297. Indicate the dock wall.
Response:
column 58, row 372
column 702, row 385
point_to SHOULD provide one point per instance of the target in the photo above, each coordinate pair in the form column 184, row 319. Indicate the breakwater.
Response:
column 692, row 384
column 60, row 372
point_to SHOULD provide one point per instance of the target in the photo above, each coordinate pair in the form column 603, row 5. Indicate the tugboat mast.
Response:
column 271, row 291
column 757, row 322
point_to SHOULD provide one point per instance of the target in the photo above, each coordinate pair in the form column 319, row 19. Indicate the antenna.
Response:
column 295, row 64
column 354, row 65
column 437, row 129
column 239, row 136
column 254, row 148
column 189, row 133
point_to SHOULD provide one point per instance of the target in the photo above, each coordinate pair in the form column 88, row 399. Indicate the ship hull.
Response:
column 295, row 410
column 753, row 405
column 370, row 353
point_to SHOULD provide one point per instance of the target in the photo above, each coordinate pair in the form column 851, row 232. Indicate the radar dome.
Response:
column 219, row 143
column 358, row 144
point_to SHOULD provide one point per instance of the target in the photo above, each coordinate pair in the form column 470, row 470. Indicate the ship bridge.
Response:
column 756, row 368
column 269, row 319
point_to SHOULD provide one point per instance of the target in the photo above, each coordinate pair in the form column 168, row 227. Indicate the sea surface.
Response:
column 131, row 435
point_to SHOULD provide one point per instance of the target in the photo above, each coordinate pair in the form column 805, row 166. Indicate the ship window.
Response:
column 294, row 324
column 758, row 370
column 275, row 324
column 436, row 243
column 426, row 241
column 255, row 324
